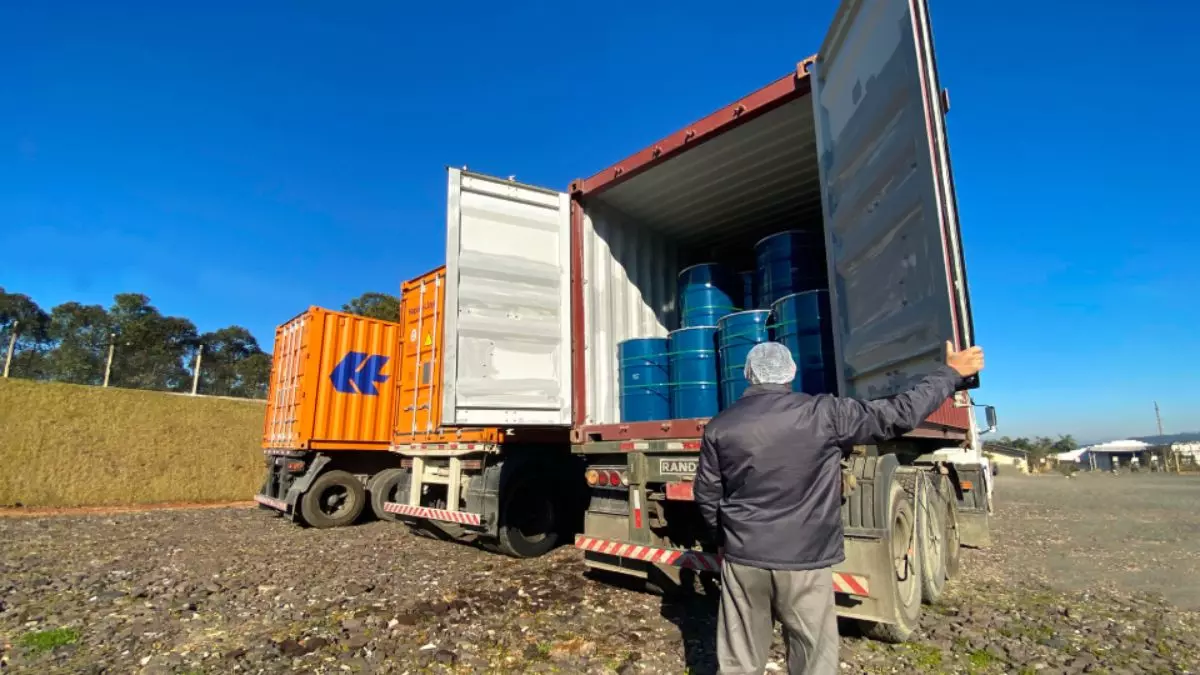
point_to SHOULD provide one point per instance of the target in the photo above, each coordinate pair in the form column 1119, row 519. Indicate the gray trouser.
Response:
column 803, row 603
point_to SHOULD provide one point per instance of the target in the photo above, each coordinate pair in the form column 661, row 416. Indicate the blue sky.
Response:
column 238, row 166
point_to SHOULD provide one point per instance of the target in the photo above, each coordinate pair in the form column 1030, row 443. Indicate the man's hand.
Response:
column 967, row 362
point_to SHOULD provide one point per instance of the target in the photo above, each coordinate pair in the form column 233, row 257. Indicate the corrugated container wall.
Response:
column 630, row 292
column 332, row 383
column 418, row 399
column 418, row 390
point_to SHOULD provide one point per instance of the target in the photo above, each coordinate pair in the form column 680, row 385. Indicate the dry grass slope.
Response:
column 68, row 445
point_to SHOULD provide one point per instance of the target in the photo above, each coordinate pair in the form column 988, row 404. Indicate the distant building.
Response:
column 1003, row 456
column 1106, row 456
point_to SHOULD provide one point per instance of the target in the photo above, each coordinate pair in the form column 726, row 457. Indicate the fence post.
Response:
column 112, row 342
column 12, row 344
column 196, row 370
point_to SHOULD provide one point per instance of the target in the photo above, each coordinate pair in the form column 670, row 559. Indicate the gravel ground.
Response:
column 1066, row 587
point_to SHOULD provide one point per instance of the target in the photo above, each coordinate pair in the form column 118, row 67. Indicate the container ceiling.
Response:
column 754, row 180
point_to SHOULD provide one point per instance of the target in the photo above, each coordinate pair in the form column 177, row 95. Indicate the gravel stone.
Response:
column 1074, row 583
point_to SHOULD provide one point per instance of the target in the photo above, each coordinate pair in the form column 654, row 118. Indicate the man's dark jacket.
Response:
column 769, row 481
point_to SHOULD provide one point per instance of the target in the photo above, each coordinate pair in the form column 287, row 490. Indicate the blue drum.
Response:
column 737, row 334
column 749, row 279
column 693, row 359
column 789, row 262
column 643, row 367
column 706, row 293
column 802, row 323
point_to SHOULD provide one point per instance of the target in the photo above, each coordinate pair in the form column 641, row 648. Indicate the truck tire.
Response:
column 335, row 499
column 529, row 519
column 384, row 487
column 931, row 538
column 948, row 504
column 905, row 555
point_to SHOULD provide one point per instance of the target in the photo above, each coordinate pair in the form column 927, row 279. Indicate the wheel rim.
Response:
column 903, row 556
column 532, row 515
column 936, row 549
column 952, row 539
column 335, row 501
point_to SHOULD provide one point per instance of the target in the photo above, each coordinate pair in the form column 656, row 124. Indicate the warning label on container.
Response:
column 428, row 340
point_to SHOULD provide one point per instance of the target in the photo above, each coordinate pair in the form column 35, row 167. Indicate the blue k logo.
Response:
column 358, row 373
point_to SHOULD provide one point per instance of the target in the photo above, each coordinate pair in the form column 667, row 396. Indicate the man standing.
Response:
column 769, row 485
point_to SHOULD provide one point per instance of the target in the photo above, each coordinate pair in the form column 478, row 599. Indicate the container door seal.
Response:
column 897, row 276
column 507, row 342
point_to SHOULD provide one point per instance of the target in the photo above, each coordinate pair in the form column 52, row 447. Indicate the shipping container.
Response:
column 330, row 387
column 543, row 285
column 418, row 401
column 328, row 423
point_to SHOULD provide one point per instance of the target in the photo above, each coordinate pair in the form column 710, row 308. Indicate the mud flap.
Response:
column 301, row 485
column 974, row 530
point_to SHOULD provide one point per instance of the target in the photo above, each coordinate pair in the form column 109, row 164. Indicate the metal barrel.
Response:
column 789, row 262
column 643, row 366
column 749, row 280
column 706, row 293
column 802, row 324
column 737, row 334
column 693, row 359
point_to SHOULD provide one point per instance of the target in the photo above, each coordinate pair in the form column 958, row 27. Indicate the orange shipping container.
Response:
column 418, row 417
column 332, row 383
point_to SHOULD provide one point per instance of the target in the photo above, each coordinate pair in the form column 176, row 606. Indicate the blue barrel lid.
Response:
column 780, row 234
column 744, row 311
column 704, row 264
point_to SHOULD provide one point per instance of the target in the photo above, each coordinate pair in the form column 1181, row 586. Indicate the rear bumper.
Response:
column 465, row 518
column 846, row 583
column 271, row 502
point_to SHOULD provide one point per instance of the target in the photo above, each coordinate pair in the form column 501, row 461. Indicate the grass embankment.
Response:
column 69, row 445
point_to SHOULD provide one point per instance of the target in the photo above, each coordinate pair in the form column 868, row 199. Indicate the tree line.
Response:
column 1037, row 447
column 71, row 343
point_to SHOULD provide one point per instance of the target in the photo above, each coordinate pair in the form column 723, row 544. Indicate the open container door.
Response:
column 896, row 270
column 508, row 318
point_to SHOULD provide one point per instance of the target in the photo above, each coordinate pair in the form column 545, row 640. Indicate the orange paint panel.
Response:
column 418, row 397
column 332, row 382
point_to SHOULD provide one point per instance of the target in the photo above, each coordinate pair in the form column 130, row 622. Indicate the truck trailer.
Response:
column 515, row 425
column 327, row 427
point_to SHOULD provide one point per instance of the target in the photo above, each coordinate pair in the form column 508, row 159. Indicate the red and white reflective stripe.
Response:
column 696, row 560
column 683, row 445
column 461, row 517
column 630, row 446
column 849, row 584
column 277, row 504
column 635, row 495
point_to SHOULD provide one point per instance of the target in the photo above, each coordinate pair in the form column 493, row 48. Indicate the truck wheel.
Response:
column 948, row 503
column 335, row 499
column 384, row 487
column 906, row 563
column 932, row 540
column 529, row 521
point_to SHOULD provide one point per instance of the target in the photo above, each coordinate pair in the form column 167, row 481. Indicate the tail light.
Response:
column 606, row 478
column 295, row 466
